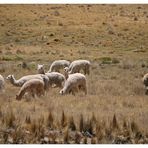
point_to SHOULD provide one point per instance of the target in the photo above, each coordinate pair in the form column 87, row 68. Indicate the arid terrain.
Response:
column 114, row 38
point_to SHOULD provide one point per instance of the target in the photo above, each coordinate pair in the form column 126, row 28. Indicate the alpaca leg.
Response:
column 32, row 92
column 73, row 92
column 40, row 92
column 88, row 70
column 60, row 85
column 84, row 70
column 84, row 89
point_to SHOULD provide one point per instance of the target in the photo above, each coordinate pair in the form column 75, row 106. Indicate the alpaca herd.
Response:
column 72, row 81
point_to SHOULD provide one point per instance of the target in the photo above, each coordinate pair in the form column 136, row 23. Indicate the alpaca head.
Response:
column 40, row 68
column 62, row 92
column 66, row 72
column 66, row 69
column 9, row 77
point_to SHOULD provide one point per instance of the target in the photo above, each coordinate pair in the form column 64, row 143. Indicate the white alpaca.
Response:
column 58, row 64
column 26, row 78
column 2, row 83
column 78, row 65
column 145, row 82
column 55, row 78
column 40, row 69
column 74, row 83
column 32, row 86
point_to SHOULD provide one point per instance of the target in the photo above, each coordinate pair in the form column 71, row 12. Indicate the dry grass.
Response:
column 112, row 37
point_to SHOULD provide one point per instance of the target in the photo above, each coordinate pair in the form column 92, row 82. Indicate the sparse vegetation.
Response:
column 114, row 41
column 37, row 131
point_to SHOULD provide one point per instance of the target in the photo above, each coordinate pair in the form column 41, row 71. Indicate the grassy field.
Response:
column 112, row 37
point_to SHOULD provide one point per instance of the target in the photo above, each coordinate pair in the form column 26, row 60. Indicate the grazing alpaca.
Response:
column 145, row 82
column 24, row 79
column 2, row 83
column 77, row 65
column 33, row 86
column 55, row 78
column 58, row 64
column 74, row 83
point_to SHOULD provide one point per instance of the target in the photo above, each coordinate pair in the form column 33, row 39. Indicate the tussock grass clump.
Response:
column 81, row 123
column 50, row 120
column 28, row 120
column 134, row 127
column 88, row 128
column 66, row 136
column 18, row 136
column 78, row 137
column 85, row 140
column 93, row 140
column 115, row 123
column 72, row 125
column 92, row 131
column 10, row 119
column 99, row 132
column 63, row 120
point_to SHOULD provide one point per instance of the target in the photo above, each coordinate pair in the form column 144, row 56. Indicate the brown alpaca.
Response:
column 33, row 86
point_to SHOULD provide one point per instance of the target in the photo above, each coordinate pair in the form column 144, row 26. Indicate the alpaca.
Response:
column 2, row 83
column 77, row 65
column 33, row 86
column 145, row 82
column 74, row 83
column 24, row 79
column 58, row 64
column 55, row 78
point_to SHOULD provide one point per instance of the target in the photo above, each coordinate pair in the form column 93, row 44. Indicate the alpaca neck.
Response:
column 20, row 95
column 41, row 71
column 66, row 75
column 50, row 69
column 14, row 81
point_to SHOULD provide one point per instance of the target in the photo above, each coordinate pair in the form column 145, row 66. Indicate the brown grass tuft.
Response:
column 66, row 136
column 72, row 125
column 50, row 120
column 10, row 118
column 93, row 140
column 134, row 127
column 63, row 120
column 88, row 127
column 81, row 123
column 33, row 126
column 99, row 132
column 28, row 120
column 115, row 123
column 85, row 140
